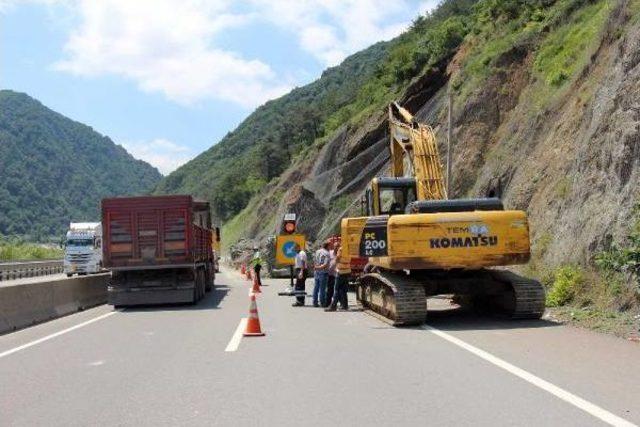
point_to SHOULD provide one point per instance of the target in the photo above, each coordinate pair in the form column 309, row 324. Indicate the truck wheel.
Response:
column 196, row 285
column 204, row 276
column 208, row 281
column 69, row 274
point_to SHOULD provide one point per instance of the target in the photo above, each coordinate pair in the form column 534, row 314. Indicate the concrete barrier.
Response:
column 27, row 304
column 19, row 269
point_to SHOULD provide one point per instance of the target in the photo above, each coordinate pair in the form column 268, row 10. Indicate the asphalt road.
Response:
column 168, row 366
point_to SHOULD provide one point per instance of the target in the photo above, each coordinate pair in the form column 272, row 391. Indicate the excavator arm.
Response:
column 417, row 143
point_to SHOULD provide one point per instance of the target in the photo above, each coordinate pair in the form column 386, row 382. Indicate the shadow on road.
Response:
column 460, row 319
column 451, row 317
column 211, row 301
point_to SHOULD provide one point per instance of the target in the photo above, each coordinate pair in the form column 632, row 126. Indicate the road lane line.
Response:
column 57, row 334
column 568, row 397
column 237, row 336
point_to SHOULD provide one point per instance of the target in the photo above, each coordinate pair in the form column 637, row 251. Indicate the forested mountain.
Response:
column 54, row 170
column 263, row 145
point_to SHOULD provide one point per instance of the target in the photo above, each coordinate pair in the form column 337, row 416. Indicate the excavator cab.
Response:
column 389, row 196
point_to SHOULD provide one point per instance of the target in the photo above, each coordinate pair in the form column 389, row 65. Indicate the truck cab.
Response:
column 83, row 248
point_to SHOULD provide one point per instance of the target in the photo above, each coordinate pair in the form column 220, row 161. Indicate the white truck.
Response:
column 83, row 249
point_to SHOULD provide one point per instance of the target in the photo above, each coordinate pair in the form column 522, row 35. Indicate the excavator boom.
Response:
column 417, row 142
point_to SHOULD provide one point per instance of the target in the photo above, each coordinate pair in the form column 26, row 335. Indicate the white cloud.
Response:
column 427, row 6
column 7, row 5
column 173, row 47
column 167, row 46
column 333, row 29
column 165, row 155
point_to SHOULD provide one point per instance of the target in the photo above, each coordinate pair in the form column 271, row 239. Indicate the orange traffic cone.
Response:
column 253, row 322
column 256, row 285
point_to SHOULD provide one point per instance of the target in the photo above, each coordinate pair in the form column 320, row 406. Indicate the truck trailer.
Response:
column 158, row 249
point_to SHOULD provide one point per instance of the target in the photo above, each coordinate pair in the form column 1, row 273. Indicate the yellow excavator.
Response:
column 420, row 243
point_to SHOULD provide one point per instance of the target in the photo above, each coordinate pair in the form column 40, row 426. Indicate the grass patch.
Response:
column 480, row 65
column 563, row 187
column 15, row 249
column 593, row 299
column 634, row 11
column 567, row 50
column 566, row 286
column 624, row 259
column 543, row 243
column 236, row 228
column 604, row 297
column 563, row 34
column 622, row 324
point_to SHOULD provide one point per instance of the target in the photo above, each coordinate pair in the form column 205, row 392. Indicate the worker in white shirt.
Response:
column 300, row 272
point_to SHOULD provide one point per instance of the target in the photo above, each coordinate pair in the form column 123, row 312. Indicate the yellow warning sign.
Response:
column 286, row 248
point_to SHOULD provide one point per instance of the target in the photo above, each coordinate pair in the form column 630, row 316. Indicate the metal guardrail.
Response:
column 19, row 269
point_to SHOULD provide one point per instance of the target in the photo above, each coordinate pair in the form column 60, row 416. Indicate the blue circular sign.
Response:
column 289, row 249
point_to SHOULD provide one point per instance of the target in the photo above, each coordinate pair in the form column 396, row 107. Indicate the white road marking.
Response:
column 237, row 336
column 57, row 334
column 560, row 393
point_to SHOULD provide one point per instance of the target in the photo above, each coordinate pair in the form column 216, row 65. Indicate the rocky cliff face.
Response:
column 572, row 164
column 567, row 152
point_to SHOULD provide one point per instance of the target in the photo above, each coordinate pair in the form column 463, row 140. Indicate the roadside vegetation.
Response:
column 13, row 249
column 564, row 52
column 604, row 296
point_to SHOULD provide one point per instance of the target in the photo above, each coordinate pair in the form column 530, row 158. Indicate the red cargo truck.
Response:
column 158, row 249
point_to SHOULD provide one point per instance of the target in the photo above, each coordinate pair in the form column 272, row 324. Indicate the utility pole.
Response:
column 449, row 146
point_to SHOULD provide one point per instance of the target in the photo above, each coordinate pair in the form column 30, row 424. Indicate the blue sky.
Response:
column 169, row 78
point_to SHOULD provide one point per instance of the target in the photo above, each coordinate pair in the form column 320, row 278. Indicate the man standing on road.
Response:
column 333, row 272
column 256, row 262
column 342, row 281
column 321, row 275
column 301, row 274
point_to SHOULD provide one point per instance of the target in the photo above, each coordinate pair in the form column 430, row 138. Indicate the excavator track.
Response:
column 395, row 297
column 525, row 298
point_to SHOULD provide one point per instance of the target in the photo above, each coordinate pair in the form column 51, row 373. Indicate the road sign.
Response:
column 289, row 223
column 285, row 248
column 289, row 227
